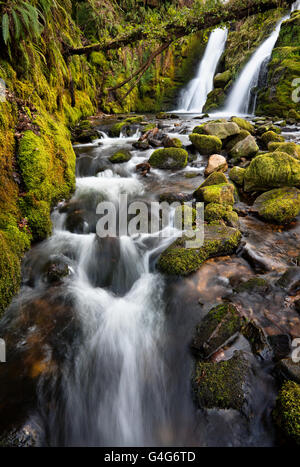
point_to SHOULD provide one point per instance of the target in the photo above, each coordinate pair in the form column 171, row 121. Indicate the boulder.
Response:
column 56, row 271
column 272, row 170
column 143, row 168
column 222, row 130
column 221, row 194
column 271, row 136
column 236, row 139
column 215, row 212
column 287, row 411
column 120, row 157
column 246, row 148
column 185, row 217
column 216, row 163
column 222, row 385
column 236, row 174
column 244, row 124
column 168, row 142
column 177, row 259
column 169, row 158
column 292, row 149
column 288, row 369
column 290, row 280
column 280, row 205
column 218, row 327
column 221, row 79
column 205, row 144
column 215, row 99
column 216, row 178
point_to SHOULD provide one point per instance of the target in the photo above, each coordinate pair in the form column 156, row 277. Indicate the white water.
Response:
column 193, row 97
column 239, row 99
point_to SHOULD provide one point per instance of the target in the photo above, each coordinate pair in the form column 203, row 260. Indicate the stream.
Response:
column 102, row 358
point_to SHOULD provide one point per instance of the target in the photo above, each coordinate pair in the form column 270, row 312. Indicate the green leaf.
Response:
column 5, row 28
column 18, row 25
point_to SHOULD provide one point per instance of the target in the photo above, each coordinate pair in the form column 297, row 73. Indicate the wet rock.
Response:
column 257, row 339
column 219, row 327
column 221, row 79
column 56, row 271
column 271, row 136
column 168, row 142
column 281, row 345
column 244, row 124
column 206, row 144
column 280, row 205
column 288, row 369
column 253, row 285
column 259, row 262
column 223, row 384
column 24, row 437
column 75, row 221
column 124, row 125
column 236, row 174
column 216, row 163
column 185, row 217
column 175, row 197
column 169, row 158
column 143, row 168
column 178, row 259
column 246, row 148
column 120, row 157
column 287, row 412
column 297, row 305
column 222, row 194
column 290, row 280
column 222, row 130
column 141, row 145
column 272, row 170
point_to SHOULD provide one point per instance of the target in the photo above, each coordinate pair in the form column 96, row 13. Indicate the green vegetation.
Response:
column 206, row 145
column 169, row 158
column 280, row 206
column 287, row 411
column 120, row 157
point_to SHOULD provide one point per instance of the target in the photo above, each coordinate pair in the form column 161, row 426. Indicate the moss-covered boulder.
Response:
column 169, row 158
column 221, row 385
column 272, row 170
column 289, row 370
column 221, row 194
column 220, row 325
column 185, row 217
column 179, row 260
column 215, row 99
column 246, row 148
column 287, row 411
column 221, row 79
column 222, row 130
column 280, row 205
column 171, row 142
column 116, row 129
column 292, row 149
column 205, row 144
column 244, row 124
column 216, row 178
column 237, row 174
column 215, row 212
column 271, row 136
column 120, row 157
column 236, row 139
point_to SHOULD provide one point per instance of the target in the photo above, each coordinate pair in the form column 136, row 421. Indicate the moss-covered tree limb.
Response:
column 231, row 11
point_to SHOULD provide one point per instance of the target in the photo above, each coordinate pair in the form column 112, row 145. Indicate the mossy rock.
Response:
column 38, row 215
column 169, row 158
column 214, row 212
column 120, row 157
column 221, row 194
column 179, row 260
column 216, row 178
column 220, row 325
column 221, row 130
column 292, row 149
column 237, row 174
column 172, row 143
column 280, row 205
column 287, row 411
column 205, row 144
column 247, row 148
column 236, row 139
column 215, row 99
column 289, row 370
column 221, row 385
column 185, row 217
column 253, row 285
column 271, row 136
column 116, row 129
column 221, row 79
column 244, row 124
column 272, row 170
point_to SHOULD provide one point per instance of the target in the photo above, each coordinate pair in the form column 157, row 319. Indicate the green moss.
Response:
column 292, row 149
column 38, row 215
column 206, row 145
column 185, row 217
column 244, row 124
column 148, row 127
column 281, row 205
column 221, row 384
column 120, row 156
column 287, row 411
column 173, row 143
column 215, row 178
column 255, row 284
column 221, row 79
column 236, row 174
column 222, row 130
column 221, row 194
column 116, row 129
column 169, row 158
column 179, row 260
column 272, row 170
column 236, row 139
column 215, row 99
column 271, row 136
column 247, row 148
column 218, row 326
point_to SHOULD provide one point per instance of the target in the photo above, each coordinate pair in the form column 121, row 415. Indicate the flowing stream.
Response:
column 193, row 97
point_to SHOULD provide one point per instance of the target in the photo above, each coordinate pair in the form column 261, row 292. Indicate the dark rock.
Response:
column 290, row 280
column 281, row 345
column 143, row 168
column 56, row 271
column 257, row 339
column 297, row 305
column 288, row 369
column 173, row 197
column 141, row 145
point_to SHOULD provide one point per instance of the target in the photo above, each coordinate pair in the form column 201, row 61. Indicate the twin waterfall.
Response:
column 240, row 100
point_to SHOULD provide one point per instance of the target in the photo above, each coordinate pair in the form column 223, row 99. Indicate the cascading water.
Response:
column 193, row 97
column 239, row 99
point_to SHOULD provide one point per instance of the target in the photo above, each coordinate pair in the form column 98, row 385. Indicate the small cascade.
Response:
column 193, row 97
column 240, row 98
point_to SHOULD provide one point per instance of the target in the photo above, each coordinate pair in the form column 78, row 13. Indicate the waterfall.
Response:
column 239, row 99
column 193, row 97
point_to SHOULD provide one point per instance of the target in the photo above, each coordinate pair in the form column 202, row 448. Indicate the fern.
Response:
column 5, row 28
